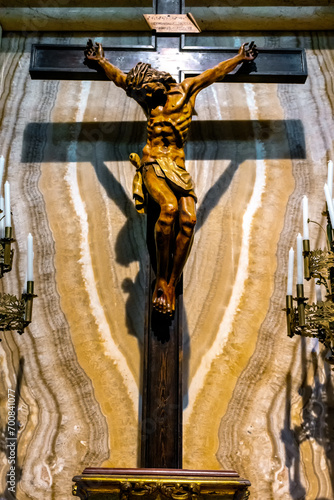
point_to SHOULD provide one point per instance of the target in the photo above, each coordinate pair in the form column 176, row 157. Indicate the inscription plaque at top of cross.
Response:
column 162, row 394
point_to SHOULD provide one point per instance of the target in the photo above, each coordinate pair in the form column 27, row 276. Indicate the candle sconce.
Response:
column 6, row 252
column 315, row 320
column 15, row 314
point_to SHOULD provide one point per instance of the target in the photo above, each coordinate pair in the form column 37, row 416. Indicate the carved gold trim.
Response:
column 103, row 487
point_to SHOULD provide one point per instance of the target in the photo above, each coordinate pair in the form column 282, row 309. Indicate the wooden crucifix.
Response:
column 164, row 185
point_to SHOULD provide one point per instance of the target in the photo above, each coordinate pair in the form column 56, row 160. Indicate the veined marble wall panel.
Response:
column 275, row 395
column 254, row 400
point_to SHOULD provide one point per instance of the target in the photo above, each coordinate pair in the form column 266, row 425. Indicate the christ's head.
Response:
column 147, row 85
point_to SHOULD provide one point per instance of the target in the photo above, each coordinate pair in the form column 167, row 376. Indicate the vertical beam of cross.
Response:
column 162, row 392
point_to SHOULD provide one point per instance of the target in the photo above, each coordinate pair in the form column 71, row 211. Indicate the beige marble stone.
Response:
column 69, row 18
column 259, row 18
column 236, row 15
column 255, row 400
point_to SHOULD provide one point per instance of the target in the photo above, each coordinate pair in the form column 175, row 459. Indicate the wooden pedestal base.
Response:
column 160, row 484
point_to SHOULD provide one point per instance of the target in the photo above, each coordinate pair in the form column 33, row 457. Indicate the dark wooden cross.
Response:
column 169, row 52
column 162, row 392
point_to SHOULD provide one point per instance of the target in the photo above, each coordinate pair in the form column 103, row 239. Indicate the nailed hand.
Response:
column 94, row 53
column 248, row 51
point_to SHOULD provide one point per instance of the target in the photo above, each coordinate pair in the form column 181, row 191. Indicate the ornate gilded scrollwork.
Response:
column 12, row 313
column 242, row 494
column 79, row 492
column 168, row 486
column 138, row 489
column 195, row 491
column 181, row 492
column 176, row 491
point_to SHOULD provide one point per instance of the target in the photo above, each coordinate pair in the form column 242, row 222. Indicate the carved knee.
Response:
column 166, row 218
column 188, row 224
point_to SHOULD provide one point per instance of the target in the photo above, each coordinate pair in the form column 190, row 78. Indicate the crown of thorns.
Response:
column 143, row 73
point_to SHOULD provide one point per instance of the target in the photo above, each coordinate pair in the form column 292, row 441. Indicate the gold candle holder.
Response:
column 329, row 226
column 301, row 305
column 29, row 297
column 7, row 259
column 289, row 315
column 306, row 255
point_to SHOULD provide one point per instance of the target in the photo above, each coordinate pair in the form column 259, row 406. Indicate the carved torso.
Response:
column 168, row 126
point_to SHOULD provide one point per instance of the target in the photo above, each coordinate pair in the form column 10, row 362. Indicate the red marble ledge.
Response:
column 160, row 472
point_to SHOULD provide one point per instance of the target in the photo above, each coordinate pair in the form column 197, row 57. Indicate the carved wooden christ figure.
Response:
column 161, row 171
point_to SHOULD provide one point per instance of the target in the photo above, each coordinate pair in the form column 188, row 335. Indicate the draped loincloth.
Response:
column 178, row 179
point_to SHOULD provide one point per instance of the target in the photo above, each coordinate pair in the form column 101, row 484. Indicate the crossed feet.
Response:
column 164, row 297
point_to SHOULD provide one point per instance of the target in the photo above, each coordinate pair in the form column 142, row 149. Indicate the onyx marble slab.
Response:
column 254, row 401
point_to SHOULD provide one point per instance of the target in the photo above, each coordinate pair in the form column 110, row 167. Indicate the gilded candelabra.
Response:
column 317, row 319
column 15, row 313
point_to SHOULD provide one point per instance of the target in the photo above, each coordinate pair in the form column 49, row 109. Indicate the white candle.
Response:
column 329, row 205
column 30, row 259
column 2, row 217
column 305, row 219
column 318, row 292
column 2, row 166
column 300, row 261
column 330, row 178
column 8, row 219
column 290, row 271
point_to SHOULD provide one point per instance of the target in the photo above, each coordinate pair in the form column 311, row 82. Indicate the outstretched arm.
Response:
column 195, row 84
column 96, row 53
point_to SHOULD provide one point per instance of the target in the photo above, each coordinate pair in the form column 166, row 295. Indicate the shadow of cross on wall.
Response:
column 237, row 141
column 224, row 140
column 100, row 142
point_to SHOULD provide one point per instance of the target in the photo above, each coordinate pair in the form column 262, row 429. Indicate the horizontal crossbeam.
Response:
column 66, row 62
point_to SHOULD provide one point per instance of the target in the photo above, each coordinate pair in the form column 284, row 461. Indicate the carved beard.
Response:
column 158, row 97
